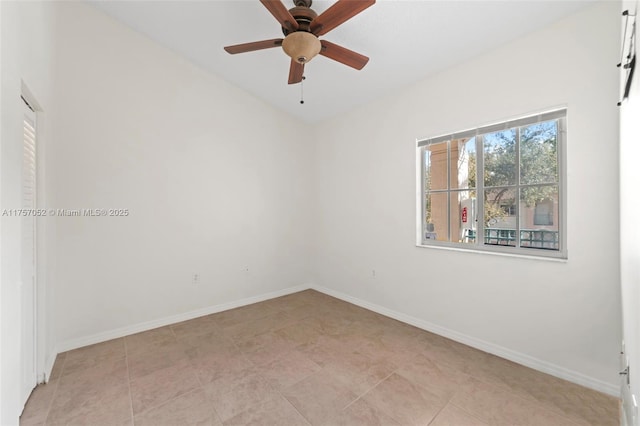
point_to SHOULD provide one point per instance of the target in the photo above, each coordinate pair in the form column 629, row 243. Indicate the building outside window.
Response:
column 496, row 188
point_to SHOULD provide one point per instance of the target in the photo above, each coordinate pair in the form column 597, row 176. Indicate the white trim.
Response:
column 161, row 322
column 511, row 355
column 494, row 252
column 48, row 368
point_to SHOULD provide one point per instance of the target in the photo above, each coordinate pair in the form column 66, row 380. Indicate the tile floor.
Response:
column 303, row 359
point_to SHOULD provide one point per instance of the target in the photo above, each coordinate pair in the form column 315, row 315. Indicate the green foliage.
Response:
column 538, row 166
column 538, row 163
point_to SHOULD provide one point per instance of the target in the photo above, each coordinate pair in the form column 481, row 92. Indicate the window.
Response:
column 495, row 188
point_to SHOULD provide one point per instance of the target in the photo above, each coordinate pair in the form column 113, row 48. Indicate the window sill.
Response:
column 559, row 257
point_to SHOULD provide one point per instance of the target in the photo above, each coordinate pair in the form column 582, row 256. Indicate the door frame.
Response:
column 29, row 113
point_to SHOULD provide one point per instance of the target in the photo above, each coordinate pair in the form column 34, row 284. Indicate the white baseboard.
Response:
column 161, row 322
column 517, row 357
column 48, row 367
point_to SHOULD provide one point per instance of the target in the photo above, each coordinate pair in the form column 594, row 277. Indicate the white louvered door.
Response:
column 28, row 255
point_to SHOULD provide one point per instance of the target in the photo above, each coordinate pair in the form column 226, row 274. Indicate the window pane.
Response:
column 539, row 217
column 437, row 225
column 436, row 166
column 538, row 153
column 463, row 163
column 500, row 158
column 463, row 217
column 500, row 216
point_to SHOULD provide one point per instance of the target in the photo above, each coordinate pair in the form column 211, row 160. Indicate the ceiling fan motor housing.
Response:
column 301, row 45
column 303, row 16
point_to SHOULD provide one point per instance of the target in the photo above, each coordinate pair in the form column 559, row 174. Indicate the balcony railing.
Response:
column 531, row 238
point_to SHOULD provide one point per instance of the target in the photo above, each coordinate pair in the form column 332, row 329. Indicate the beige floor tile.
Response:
column 361, row 413
column 326, row 350
column 150, row 341
column 576, row 402
column 162, row 385
column 319, row 396
column 329, row 325
column 299, row 312
column 288, row 370
column 239, row 315
column 249, row 329
column 354, row 339
column 379, row 349
column 37, row 407
column 276, row 411
column 95, row 404
column 91, row 356
column 193, row 408
column 205, row 325
column 144, row 363
column 502, row 373
column 454, row 355
column 454, row 416
column 206, row 342
column 360, row 372
column 497, row 406
column 221, row 368
column 108, row 374
column 244, row 393
column 299, row 333
column 100, row 415
column 440, row 380
column 404, row 401
column 230, row 378
column 31, row 422
column 265, row 348
column 303, row 358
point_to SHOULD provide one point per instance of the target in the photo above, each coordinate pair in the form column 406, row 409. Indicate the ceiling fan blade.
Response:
column 341, row 11
column 296, row 70
column 256, row 45
column 281, row 13
column 343, row 55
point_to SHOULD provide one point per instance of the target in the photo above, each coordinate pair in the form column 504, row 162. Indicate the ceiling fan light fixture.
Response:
column 301, row 46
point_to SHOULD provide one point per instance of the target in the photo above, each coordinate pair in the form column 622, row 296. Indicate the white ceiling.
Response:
column 405, row 39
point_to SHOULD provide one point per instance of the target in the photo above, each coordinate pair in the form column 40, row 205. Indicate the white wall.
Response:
column 560, row 316
column 27, row 40
column 630, row 233
column 215, row 181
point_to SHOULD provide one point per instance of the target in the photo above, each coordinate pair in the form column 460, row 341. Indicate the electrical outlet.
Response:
column 246, row 269
column 195, row 279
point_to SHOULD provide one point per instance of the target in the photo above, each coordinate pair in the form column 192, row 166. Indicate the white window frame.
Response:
column 479, row 245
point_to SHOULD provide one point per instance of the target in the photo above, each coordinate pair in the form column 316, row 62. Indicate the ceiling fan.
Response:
column 302, row 27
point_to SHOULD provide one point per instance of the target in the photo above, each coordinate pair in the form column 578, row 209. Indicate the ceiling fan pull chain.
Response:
column 302, row 89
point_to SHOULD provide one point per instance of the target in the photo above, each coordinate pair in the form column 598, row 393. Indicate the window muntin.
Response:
column 512, row 170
